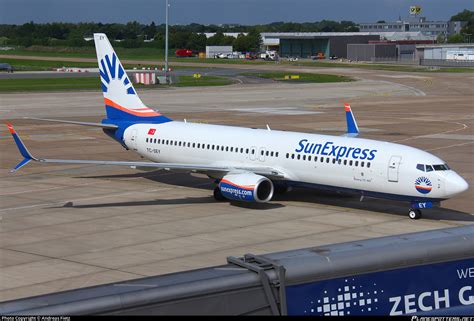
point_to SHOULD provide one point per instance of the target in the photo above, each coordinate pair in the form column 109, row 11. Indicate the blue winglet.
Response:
column 21, row 147
column 352, row 128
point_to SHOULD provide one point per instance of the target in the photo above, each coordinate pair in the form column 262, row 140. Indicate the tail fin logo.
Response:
column 112, row 70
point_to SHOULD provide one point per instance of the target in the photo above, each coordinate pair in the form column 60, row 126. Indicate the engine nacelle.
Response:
column 246, row 187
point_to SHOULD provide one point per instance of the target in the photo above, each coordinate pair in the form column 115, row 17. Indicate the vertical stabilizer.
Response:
column 120, row 98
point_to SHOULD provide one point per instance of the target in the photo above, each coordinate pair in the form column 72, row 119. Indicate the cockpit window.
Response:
column 430, row 168
column 443, row 167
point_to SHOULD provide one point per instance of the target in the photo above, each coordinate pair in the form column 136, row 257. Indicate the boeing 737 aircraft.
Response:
column 248, row 165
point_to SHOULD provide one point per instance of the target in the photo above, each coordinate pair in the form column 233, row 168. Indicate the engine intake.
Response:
column 246, row 187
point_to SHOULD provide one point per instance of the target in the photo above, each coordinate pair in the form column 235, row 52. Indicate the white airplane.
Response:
column 250, row 164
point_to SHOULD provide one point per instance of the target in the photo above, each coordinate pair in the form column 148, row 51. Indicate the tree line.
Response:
column 135, row 35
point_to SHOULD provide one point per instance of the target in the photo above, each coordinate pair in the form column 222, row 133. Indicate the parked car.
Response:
column 319, row 55
column 251, row 56
column 6, row 67
column 292, row 58
column 184, row 53
column 221, row 55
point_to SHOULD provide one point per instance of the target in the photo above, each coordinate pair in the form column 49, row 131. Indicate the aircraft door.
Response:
column 253, row 153
column 393, row 168
column 261, row 154
column 133, row 139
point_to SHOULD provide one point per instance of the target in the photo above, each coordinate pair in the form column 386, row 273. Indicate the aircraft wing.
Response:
column 352, row 128
column 197, row 168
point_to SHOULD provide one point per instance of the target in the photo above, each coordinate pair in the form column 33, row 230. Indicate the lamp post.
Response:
column 166, row 44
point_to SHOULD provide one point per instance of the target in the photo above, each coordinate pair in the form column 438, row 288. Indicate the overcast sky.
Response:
column 222, row 11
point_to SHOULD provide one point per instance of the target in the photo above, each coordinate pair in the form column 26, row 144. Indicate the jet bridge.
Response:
column 426, row 273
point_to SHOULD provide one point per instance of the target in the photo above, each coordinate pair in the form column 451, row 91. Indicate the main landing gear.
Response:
column 218, row 195
column 414, row 213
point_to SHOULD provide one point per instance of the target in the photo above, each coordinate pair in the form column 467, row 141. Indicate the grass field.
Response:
column 158, row 55
column 92, row 83
column 190, row 81
column 302, row 77
column 46, row 65
column 372, row 66
column 48, row 84
column 43, row 65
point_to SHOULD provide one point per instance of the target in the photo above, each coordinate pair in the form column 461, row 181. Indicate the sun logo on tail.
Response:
column 423, row 185
column 112, row 71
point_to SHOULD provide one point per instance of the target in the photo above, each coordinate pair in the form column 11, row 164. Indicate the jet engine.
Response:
column 246, row 187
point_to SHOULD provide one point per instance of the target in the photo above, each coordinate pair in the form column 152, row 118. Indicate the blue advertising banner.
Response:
column 411, row 290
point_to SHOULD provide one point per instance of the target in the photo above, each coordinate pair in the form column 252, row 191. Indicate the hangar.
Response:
column 307, row 44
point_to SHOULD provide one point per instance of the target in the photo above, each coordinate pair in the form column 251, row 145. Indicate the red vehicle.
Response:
column 184, row 53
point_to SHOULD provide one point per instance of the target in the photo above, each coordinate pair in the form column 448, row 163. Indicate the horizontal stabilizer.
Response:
column 110, row 126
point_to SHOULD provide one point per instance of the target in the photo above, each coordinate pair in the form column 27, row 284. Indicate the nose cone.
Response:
column 455, row 184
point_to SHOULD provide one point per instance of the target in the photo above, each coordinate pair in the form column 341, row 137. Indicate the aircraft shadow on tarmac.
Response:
column 296, row 195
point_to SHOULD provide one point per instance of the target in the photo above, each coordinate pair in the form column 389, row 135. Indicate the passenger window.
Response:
column 304, row 157
column 345, row 162
column 271, row 154
column 298, row 156
column 155, row 141
column 368, row 165
column 350, row 162
column 334, row 161
column 327, row 160
column 361, row 164
column 267, row 153
column 339, row 161
column 253, row 151
column 147, row 140
column 292, row 156
column 315, row 158
column 262, row 152
column 309, row 158
column 322, row 159
column 194, row 145
column 287, row 155
column 246, row 151
column 276, row 154
column 232, row 149
column 189, row 144
column 429, row 168
column 213, row 146
column 420, row 167
column 159, row 141
column 356, row 163
column 179, row 144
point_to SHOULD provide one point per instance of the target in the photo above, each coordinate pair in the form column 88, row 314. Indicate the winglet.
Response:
column 22, row 148
column 352, row 128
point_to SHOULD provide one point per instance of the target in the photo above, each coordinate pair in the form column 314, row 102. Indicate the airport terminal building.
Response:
column 420, row 24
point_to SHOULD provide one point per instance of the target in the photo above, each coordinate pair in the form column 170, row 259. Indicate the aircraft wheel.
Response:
column 218, row 195
column 281, row 188
column 414, row 214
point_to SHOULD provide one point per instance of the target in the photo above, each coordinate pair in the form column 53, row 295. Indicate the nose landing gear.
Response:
column 414, row 213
